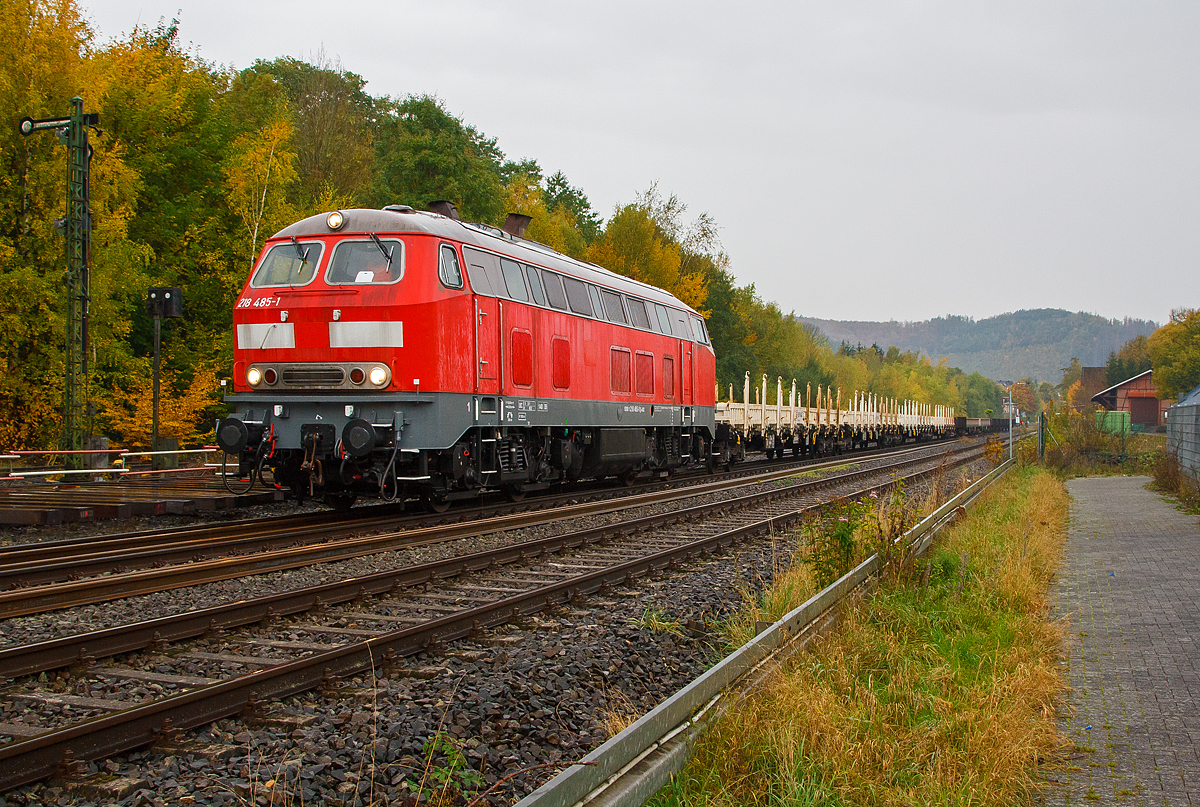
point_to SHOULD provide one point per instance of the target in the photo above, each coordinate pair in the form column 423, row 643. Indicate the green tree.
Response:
column 423, row 154
column 560, row 194
column 1072, row 374
column 333, row 123
column 1132, row 359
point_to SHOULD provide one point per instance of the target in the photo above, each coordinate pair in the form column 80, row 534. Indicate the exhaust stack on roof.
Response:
column 516, row 223
column 444, row 208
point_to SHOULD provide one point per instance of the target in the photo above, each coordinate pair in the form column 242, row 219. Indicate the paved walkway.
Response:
column 1132, row 589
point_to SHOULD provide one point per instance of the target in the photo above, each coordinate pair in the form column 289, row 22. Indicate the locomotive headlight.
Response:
column 335, row 220
column 254, row 376
column 378, row 376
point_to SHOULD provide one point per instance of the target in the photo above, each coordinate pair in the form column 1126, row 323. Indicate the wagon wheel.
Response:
column 514, row 493
column 436, row 504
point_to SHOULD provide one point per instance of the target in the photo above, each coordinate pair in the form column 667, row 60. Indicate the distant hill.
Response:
column 1037, row 343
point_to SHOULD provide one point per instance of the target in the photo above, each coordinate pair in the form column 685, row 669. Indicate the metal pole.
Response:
column 78, row 226
column 1010, row 419
column 154, row 417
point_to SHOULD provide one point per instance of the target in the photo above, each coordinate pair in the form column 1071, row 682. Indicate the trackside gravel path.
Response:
column 1131, row 587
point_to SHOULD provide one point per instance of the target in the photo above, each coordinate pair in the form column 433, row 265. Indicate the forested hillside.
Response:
column 1036, row 343
column 196, row 164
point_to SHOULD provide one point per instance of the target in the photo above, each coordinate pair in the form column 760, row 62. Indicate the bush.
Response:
column 1169, row 477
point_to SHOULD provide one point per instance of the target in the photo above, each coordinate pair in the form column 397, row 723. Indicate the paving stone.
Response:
column 1131, row 589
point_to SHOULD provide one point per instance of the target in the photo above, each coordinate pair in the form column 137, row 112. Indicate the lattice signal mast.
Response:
column 73, row 133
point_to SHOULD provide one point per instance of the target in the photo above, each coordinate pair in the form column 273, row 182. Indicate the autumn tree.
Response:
column 1175, row 352
column 634, row 245
column 524, row 193
column 1023, row 396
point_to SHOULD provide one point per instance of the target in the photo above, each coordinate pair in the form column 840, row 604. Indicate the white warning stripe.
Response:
column 265, row 335
column 366, row 334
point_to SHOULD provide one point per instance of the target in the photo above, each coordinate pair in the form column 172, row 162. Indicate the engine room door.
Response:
column 686, row 371
column 487, row 345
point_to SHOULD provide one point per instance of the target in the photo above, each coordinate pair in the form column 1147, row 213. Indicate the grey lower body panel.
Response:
column 437, row 420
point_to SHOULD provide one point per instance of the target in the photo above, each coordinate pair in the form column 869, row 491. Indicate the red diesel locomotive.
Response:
column 398, row 352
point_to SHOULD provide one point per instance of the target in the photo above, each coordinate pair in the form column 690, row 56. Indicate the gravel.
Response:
column 530, row 694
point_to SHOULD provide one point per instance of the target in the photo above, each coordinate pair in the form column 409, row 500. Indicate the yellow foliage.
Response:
column 257, row 177
column 556, row 229
column 130, row 412
column 632, row 246
column 1075, row 395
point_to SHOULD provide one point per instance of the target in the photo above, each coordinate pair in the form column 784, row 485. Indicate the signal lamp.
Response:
column 270, row 376
column 378, row 376
column 254, row 376
column 335, row 220
column 357, row 375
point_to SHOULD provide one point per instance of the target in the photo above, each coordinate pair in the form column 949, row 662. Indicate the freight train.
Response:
column 400, row 353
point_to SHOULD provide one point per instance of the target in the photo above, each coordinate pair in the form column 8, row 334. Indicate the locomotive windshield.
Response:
column 288, row 265
column 375, row 261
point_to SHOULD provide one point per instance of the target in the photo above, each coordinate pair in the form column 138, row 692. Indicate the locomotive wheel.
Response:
column 514, row 494
column 436, row 504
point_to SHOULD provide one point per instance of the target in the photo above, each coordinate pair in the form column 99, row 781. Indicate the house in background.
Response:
column 1137, row 397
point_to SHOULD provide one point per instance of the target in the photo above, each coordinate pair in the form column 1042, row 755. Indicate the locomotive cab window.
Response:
column 288, row 265
column 679, row 324
column 698, row 330
column 449, row 271
column 377, row 261
column 664, row 319
column 514, row 280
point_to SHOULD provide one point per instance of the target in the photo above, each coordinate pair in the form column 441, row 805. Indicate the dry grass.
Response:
column 791, row 588
column 619, row 712
column 1170, row 478
column 937, row 692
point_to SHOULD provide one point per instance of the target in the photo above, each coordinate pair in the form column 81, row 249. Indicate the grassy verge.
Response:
column 937, row 688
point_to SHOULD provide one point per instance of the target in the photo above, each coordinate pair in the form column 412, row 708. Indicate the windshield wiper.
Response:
column 387, row 253
column 303, row 253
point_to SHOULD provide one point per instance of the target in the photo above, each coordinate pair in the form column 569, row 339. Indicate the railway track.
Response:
column 230, row 660
column 41, row 577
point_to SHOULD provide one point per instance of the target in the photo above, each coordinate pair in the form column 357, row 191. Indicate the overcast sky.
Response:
column 863, row 160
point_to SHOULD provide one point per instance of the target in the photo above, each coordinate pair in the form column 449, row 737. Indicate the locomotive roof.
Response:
column 369, row 220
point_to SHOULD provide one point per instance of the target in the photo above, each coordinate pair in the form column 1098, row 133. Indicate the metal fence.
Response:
column 628, row 769
column 1183, row 432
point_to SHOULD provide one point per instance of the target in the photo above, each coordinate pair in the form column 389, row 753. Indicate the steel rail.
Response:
column 38, row 599
column 36, row 758
column 15, row 559
column 67, row 650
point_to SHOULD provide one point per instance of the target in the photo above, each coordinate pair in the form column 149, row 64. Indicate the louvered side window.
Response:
column 620, row 359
